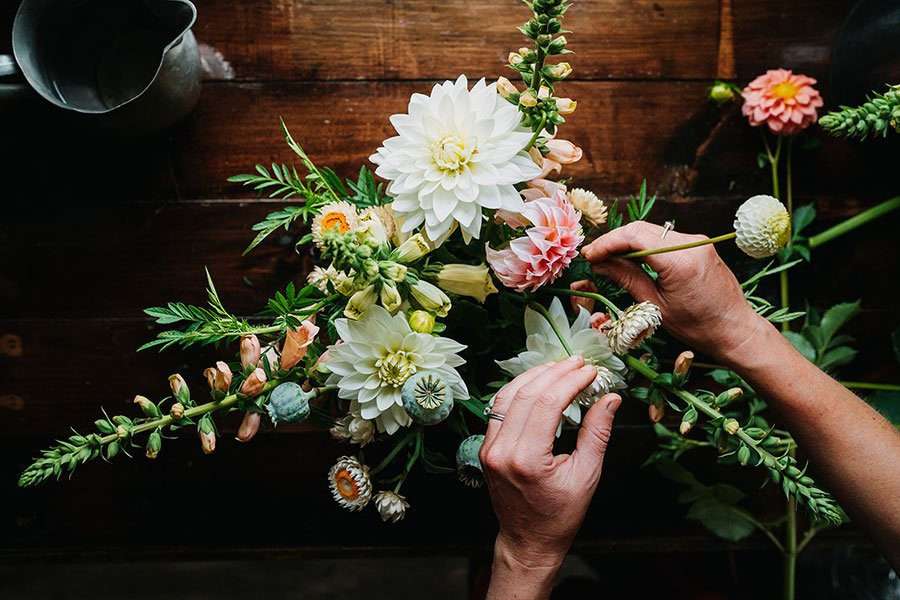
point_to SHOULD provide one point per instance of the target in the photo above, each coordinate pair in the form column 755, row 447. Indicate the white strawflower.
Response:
column 372, row 227
column 391, row 506
column 457, row 151
column 592, row 208
column 340, row 216
column 763, row 226
column 605, row 382
column 636, row 323
column 380, row 352
column 543, row 346
column 355, row 429
column 320, row 278
column 350, row 484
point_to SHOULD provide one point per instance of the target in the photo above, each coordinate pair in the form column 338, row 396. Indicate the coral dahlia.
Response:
column 783, row 101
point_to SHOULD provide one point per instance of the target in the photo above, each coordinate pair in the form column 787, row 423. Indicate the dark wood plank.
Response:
column 419, row 39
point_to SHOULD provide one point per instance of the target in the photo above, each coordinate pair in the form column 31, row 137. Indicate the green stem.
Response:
column 414, row 456
column 546, row 314
column 852, row 223
column 592, row 295
column 790, row 551
column 748, row 517
column 807, row 538
column 651, row 252
column 789, row 182
column 393, row 453
column 865, row 385
column 537, row 133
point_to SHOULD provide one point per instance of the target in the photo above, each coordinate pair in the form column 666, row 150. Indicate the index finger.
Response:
column 638, row 235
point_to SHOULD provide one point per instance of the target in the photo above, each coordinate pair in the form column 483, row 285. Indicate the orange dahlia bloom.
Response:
column 783, row 101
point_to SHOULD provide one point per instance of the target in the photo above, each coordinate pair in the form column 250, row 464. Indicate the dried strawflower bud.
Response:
column 391, row 506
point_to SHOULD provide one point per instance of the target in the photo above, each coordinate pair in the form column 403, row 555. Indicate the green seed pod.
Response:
column 427, row 397
column 468, row 465
column 288, row 403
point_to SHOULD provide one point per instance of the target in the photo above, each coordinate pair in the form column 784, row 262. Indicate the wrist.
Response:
column 750, row 338
column 517, row 568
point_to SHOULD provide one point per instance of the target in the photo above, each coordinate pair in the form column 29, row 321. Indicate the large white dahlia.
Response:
column 457, row 151
column 542, row 345
column 378, row 353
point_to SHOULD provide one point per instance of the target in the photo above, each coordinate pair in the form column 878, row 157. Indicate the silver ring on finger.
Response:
column 494, row 415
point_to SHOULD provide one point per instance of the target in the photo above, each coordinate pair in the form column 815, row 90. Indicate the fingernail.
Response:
column 574, row 359
column 613, row 401
column 588, row 370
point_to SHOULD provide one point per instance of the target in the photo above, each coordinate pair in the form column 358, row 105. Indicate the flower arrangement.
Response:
column 474, row 225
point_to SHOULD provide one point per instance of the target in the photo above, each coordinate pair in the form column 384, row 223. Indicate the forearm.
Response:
column 511, row 579
column 854, row 448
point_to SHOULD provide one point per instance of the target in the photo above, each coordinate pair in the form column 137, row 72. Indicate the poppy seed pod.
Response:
column 427, row 397
column 468, row 463
column 288, row 403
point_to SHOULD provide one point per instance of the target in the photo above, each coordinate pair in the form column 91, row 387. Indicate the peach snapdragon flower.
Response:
column 783, row 101
column 546, row 249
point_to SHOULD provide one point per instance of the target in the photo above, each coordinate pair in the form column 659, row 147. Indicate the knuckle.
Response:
column 600, row 437
column 521, row 467
column 492, row 460
column 545, row 400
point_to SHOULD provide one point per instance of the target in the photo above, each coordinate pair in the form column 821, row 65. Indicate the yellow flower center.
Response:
column 395, row 368
column 346, row 485
column 779, row 226
column 451, row 154
column 785, row 90
column 335, row 220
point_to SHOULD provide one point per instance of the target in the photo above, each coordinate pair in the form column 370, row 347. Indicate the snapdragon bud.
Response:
column 218, row 377
column 147, row 407
column 528, row 99
column 249, row 426
column 390, row 297
column 515, row 58
column 656, row 411
column 177, row 411
column 682, row 367
column 154, row 443
column 728, row 396
column 250, row 350
column 412, row 249
column 360, row 302
column 431, row 298
column 393, row 270
column 207, row 432
column 565, row 106
column 506, row 88
column 688, row 420
column 180, row 389
column 254, row 384
column 558, row 71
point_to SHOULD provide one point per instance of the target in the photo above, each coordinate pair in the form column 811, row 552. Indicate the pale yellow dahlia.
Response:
column 350, row 484
column 592, row 208
column 763, row 226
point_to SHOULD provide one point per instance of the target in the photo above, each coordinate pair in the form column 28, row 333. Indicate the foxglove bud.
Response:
column 543, row 92
column 147, row 407
column 557, row 45
column 250, row 351
column 180, row 389
column 154, row 443
column 431, row 298
column 688, row 420
column 421, row 321
column 370, row 269
column 473, row 281
column 296, row 344
column 177, row 411
column 722, row 93
column 731, row 426
column 515, row 58
column 344, row 284
column 729, row 396
column 390, row 297
column 563, row 151
column 218, row 377
column 207, row 442
column 249, row 426
column 565, row 106
column 393, row 270
column 506, row 88
column 743, row 455
column 656, row 411
column 558, row 71
column 412, row 249
column 528, row 99
column 682, row 367
column 360, row 302
column 254, row 384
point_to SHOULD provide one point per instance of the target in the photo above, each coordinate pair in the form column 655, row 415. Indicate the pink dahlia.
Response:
column 546, row 249
column 785, row 102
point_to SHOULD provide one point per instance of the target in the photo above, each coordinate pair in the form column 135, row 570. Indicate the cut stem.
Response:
column 852, row 223
column 651, row 252
column 592, row 295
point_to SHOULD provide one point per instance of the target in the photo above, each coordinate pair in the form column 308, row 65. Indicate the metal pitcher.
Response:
column 132, row 64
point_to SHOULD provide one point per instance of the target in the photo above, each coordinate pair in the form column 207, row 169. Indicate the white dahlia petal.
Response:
column 763, row 226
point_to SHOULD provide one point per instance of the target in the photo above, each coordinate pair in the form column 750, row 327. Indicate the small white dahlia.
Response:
column 457, row 152
column 636, row 323
column 340, row 216
column 350, row 484
column 592, row 208
column 391, row 506
column 763, row 226
column 542, row 346
column 378, row 354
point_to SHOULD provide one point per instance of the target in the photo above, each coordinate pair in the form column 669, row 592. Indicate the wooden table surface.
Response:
column 95, row 229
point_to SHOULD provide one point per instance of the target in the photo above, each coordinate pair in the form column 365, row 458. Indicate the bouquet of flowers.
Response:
column 473, row 230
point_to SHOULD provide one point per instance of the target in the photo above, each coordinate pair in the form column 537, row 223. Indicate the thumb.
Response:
column 594, row 435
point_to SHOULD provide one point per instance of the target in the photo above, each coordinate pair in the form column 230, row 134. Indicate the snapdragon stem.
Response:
column 852, row 223
column 537, row 133
column 652, row 251
column 592, row 295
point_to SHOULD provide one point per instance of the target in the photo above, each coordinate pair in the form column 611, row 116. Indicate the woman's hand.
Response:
column 541, row 498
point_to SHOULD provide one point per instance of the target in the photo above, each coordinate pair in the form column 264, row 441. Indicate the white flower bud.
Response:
column 360, row 302
column 431, row 298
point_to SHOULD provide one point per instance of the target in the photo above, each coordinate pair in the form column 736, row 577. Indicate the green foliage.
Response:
column 202, row 325
column 291, row 302
column 282, row 218
column 819, row 341
column 762, row 306
column 637, row 208
column 365, row 191
column 714, row 506
column 875, row 117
